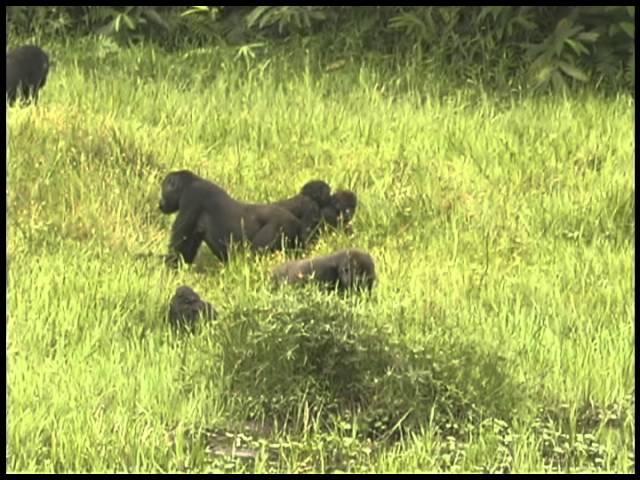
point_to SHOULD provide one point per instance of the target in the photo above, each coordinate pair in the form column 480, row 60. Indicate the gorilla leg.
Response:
column 185, row 239
column 266, row 237
column 219, row 248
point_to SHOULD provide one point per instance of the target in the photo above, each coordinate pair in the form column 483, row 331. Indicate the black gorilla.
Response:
column 350, row 269
column 27, row 69
column 317, row 191
column 340, row 209
column 335, row 210
column 207, row 213
column 306, row 205
column 187, row 307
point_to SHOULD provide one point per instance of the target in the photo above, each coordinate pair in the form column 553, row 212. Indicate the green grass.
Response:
column 503, row 235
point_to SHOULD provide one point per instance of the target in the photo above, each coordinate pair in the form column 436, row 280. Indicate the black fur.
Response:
column 306, row 205
column 27, row 70
column 341, row 209
column 207, row 213
column 186, row 308
column 345, row 270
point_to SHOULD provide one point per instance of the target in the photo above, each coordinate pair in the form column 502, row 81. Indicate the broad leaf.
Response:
column 573, row 71
column 629, row 28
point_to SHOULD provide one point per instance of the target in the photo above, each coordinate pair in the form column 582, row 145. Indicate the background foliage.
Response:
column 550, row 46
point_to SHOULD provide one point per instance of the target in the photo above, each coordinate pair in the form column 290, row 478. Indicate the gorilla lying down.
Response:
column 345, row 270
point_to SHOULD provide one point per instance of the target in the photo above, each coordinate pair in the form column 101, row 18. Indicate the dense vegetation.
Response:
column 547, row 46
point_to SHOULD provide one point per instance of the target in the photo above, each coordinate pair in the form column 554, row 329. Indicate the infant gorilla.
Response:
column 186, row 308
column 317, row 208
column 345, row 270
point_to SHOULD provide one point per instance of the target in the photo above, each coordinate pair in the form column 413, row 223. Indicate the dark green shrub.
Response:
column 319, row 356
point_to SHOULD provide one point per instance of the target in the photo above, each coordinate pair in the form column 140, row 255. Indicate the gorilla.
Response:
column 340, row 209
column 186, row 307
column 207, row 213
column 317, row 191
column 345, row 270
column 306, row 205
column 336, row 210
column 27, row 69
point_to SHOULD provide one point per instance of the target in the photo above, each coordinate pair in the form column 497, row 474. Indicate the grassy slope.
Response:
column 505, row 224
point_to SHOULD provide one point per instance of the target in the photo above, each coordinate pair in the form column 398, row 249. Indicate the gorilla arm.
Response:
column 185, row 240
column 185, row 237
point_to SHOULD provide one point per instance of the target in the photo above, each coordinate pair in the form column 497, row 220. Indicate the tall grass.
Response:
column 502, row 230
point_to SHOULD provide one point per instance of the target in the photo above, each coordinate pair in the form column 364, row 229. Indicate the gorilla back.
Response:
column 350, row 269
column 307, row 204
column 27, row 69
column 207, row 213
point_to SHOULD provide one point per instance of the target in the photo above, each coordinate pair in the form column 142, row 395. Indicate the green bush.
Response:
column 320, row 357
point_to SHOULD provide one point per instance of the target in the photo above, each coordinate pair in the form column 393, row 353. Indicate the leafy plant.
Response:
column 557, row 46
column 126, row 23
column 287, row 18
column 558, row 55
column 320, row 356
column 599, row 39
column 54, row 21
column 200, row 22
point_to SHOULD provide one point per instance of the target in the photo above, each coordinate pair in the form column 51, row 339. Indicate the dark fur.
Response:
column 345, row 270
column 318, row 191
column 341, row 209
column 207, row 213
column 187, row 307
column 306, row 205
column 27, row 69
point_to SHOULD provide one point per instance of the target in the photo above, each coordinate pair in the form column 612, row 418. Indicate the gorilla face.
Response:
column 345, row 203
column 172, row 187
column 356, row 271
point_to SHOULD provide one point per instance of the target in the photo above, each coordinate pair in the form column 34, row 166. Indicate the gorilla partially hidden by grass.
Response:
column 27, row 70
column 316, row 207
column 186, row 308
column 340, row 210
column 345, row 270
